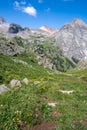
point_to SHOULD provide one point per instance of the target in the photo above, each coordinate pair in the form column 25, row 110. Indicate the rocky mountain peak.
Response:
column 2, row 20
column 49, row 30
column 72, row 38
column 78, row 21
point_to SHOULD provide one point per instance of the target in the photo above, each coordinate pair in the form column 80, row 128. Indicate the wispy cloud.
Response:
column 48, row 10
column 16, row 4
column 22, row 6
column 23, row 2
column 67, row 0
column 40, row 1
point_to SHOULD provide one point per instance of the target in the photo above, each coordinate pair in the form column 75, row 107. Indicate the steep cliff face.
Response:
column 72, row 38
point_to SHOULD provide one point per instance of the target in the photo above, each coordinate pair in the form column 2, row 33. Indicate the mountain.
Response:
column 57, row 49
column 49, row 30
column 72, row 39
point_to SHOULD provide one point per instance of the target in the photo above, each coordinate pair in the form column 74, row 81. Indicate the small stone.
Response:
column 52, row 104
column 66, row 91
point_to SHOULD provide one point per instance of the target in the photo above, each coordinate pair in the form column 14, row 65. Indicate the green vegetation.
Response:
column 18, row 40
column 29, row 104
column 46, row 47
column 54, row 53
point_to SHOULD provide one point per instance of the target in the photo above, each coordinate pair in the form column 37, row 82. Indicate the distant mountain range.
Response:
column 49, row 30
column 70, row 38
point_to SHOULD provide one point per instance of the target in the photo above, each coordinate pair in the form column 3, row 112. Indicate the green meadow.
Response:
column 29, row 104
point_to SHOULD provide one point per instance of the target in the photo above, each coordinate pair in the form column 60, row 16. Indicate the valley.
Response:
column 49, row 71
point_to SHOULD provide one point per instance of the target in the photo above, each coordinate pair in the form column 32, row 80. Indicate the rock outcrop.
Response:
column 15, row 28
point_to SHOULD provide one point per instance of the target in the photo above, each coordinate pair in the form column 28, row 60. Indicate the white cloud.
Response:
column 30, row 10
column 24, row 8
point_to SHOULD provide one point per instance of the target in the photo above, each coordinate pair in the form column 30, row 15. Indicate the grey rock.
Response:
column 3, row 89
column 15, row 83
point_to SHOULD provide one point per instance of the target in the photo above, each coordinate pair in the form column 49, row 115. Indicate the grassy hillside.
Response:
column 48, row 51
column 28, row 107
column 50, row 55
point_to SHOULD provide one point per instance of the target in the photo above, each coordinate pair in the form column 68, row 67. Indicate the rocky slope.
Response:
column 82, row 64
column 72, row 38
column 9, row 47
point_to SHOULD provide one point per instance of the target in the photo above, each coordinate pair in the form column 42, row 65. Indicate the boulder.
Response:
column 15, row 83
column 26, row 81
column 3, row 89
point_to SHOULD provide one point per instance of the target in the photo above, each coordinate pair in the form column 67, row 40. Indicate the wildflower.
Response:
column 16, row 119
column 1, row 105
column 18, row 112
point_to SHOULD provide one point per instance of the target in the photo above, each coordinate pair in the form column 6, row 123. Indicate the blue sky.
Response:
column 35, row 13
